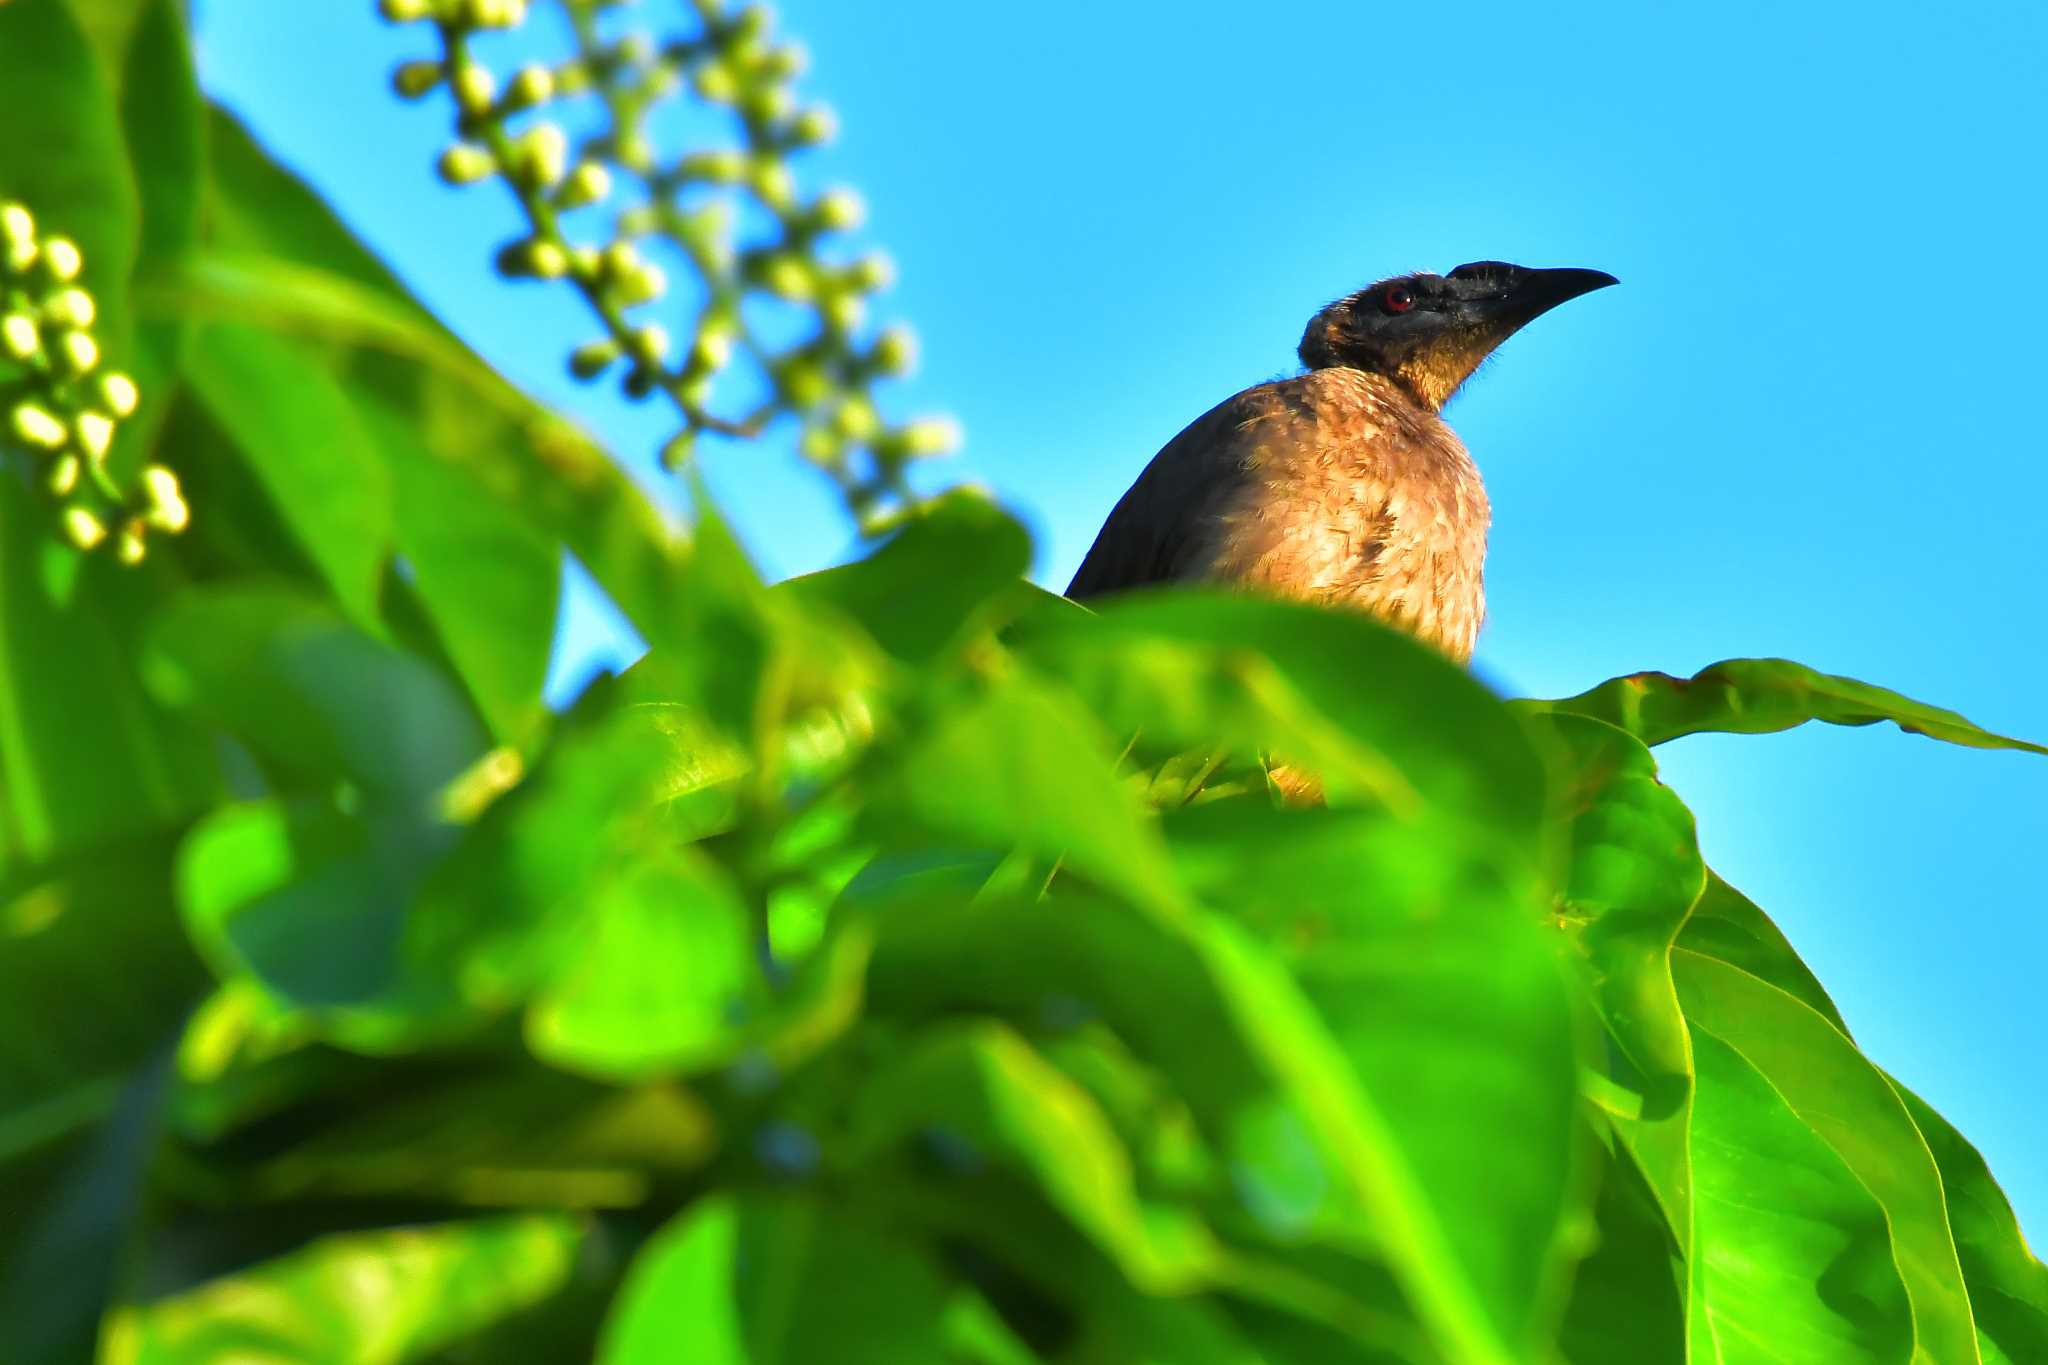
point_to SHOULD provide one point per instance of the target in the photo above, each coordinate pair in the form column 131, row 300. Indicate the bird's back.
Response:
column 1333, row 487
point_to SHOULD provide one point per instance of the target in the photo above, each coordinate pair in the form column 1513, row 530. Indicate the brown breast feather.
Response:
column 1332, row 487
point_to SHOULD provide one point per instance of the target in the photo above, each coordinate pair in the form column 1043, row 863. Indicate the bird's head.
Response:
column 1428, row 333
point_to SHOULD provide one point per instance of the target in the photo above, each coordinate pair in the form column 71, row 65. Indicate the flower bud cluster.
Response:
column 63, row 406
column 685, row 203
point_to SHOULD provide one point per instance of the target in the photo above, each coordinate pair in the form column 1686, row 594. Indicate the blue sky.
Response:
column 1807, row 423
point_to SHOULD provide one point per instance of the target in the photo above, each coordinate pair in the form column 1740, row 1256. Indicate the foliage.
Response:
column 896, row 964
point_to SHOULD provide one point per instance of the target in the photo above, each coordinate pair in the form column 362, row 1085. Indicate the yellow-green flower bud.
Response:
column 495, row 13
column 95, row 434
column 788, row 276
column 166, row 501
column 64, row 471
column 36, row 425
column 814, row 126
column 17, row 224
column 842, row 311
column 695, row 393
column 20, row 338
column 676, row 453
column 17, row 254
column 405, row 11
column 119, row 393
column 536, row 258
column 650, row 344
column 83, row 528
column 71, row 307
column 715, row 82
column 856, row 419
column 534, row 84
column 129, row 546
column 767, row 103
column 774, row 184
column 585, row 263
column 413, row 79
column 895, row 350
column 785, row 62
column 839, row 210
column 720, row 168
column 465, row 163
column 475, row 88
column 643, row 284
column 931, row 436
column 572, row 78
column 803, row 382
column 79, row 351
column 711, row 350
column 821, row 445
column 587, row 184
column 542, row 156
column 62, row 259
column 593, row 358
column 871, row 272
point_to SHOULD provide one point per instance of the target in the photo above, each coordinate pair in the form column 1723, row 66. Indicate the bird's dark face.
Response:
column 1429, row 332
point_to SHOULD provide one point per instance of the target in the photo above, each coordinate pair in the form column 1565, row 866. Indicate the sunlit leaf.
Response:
column 1757, row 696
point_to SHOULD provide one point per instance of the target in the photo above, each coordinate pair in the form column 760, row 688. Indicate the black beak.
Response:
column 1536, row 292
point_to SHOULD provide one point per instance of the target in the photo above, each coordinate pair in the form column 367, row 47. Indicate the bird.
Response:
column 1342, row 485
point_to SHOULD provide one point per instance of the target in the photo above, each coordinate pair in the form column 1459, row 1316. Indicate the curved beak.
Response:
column 1536, row 292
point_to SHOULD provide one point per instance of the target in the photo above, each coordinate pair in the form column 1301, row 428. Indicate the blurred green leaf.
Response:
column 1817, row 1074
column 922, row 589
column 659, row 975
column 85, row 757
column 63, row 154
column 1758, row 696
column 1023, row 765
column 1628, row 1296
column 370, row 1298
column 985, row 1086
column 297, row 433
column 1369, row 710
column 312, row 693
column 761, row 1280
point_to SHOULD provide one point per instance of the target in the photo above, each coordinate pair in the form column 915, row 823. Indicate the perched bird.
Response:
column 1342, row 485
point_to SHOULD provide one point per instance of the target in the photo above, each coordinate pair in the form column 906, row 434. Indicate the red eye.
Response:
column 1398, row 299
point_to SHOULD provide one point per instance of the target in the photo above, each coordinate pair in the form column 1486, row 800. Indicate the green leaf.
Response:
column 371, row 1298
column 296, row 431
column 1372, row 712
column 656, row 980
column 1758, row 696
column 1804, row 1272
column 759, row 1280
column 1447, row 1000
column 2008, row 1286
column 1022, row 765
column 1304, row 1136
column 310, row 692
column 86, row 758
column 63, row 154
column 944, row 571
column 1634, row 875
column 1628, row 1296
column 984, row 1085
column 1816, row 1074
column 1727, row 926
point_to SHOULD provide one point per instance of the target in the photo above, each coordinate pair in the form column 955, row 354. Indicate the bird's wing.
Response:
column 1159, row 531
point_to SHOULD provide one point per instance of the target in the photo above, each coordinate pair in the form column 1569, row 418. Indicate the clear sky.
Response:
column 1807, row 424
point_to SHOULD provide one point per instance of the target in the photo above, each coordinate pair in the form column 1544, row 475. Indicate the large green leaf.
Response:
column 1758, row 696
column 1819, row 1077
column 2008, row 1285
column 759, row 1280
column 1313, row 1147
column 86, row 758
column 370, row 1298
column 1370, row 711
column 1023, row 765
column 297, row 432
column 983, row 1085
column 1635, row 873
column 63, row 154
